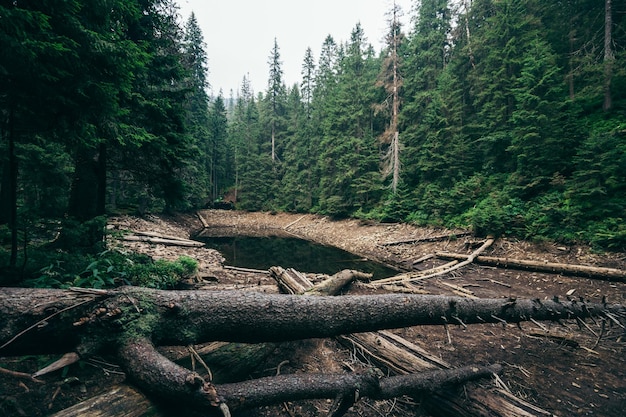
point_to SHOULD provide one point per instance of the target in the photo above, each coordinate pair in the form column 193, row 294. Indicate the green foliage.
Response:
column 113, row 268
column 502, row 125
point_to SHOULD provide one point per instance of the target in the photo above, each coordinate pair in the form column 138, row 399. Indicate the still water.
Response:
column 302, row 255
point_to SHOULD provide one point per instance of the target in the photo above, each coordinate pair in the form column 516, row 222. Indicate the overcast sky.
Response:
column 239, row 34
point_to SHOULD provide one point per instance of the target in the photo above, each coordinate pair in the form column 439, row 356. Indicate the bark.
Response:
column 611, row 274
column 399, row 356
column 66, row 319
column 132, row 321
column 120, row 401
column 609, row 54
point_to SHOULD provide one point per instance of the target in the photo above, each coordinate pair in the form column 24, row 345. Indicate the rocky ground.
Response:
column 561, row 368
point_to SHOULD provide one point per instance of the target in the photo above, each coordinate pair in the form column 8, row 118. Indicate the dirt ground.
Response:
column 561, row 368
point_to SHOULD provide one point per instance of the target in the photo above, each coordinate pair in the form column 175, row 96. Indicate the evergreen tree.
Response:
column 276, row 94
column 216, row 152
column 349, row 155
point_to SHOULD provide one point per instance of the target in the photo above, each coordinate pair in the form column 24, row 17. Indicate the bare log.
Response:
column 334, row 284
column 426, row 239
column 289, row 280
column 539, row 266
column 120, row 401
column 164, row 241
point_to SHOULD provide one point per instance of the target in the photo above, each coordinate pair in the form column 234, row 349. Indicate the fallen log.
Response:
column 164, row 241
column 400, row 356
column 427, row 239
column 540, row 266
column 129, row 322
column 119, row 401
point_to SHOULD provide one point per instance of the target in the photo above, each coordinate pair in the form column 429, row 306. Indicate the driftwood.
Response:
column 427, row 239
column 130, row 322
column 434, row 272
column 540, row 266
column 399, row 356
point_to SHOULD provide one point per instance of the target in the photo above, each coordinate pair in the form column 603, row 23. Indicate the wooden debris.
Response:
column 400, row 356
column 540, row 266
column 434, row 272
column 427, row 239
column 122, row 400
column 240, row 269
column 67, row 359
column 164, row 241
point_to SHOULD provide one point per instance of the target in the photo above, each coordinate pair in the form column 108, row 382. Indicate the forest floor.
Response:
column 561, row 368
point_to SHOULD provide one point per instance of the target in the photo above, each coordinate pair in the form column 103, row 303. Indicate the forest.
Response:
column 505, row 117
column 500, row 118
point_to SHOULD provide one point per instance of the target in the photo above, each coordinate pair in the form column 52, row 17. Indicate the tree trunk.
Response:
column 131, row 322
column 539, row 266
column 90, row 319
column 609, row 54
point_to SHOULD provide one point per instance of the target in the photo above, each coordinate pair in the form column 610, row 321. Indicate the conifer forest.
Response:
column 495, row 120
column 506, row 117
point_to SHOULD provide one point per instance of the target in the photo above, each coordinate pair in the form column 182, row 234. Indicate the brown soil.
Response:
column 561, row 368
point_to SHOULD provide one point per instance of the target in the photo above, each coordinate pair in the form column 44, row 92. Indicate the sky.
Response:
column 239, row 34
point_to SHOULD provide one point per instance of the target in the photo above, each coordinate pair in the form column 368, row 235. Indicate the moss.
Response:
column 139, row 316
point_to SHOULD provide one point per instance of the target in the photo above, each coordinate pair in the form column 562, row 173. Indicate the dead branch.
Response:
column 164, row 241
column 434, row 272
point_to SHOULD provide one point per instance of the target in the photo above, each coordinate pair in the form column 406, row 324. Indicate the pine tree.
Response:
column 348, row 159
column 276, row 93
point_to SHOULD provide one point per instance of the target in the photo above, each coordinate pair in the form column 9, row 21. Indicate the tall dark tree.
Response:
column 276, row 93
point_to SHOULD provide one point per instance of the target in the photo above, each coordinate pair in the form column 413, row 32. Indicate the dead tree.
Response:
column 131, row 322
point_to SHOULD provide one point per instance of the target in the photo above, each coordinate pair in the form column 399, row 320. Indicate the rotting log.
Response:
column 596, row 272
column 119, row 401
column 130, row 322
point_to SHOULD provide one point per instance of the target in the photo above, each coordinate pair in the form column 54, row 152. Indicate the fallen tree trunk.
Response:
column 402, row 357
column 69, row 318
column 165, row 241
column 130, row 322
column 540, row 266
